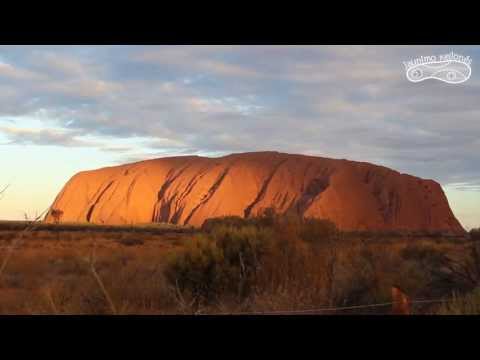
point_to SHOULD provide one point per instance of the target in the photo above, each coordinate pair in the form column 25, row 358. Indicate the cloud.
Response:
column 340, row 101
column 43, row 137
column 7, row 71
column 466, row 186
column 182, row 56
column 117, row 149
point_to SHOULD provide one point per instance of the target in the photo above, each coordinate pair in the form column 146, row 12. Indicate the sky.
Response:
column 65, row 109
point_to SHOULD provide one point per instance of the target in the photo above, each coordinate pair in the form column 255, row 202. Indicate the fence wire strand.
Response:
column 326, row 309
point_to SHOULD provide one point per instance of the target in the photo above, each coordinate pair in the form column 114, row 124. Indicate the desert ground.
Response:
column 49, row 268
column 95, row 269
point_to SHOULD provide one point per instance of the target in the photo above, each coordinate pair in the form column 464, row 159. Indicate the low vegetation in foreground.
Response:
column 269, row 264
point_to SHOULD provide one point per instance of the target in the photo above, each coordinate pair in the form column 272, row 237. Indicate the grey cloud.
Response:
column 466, row 186
column 43, row 137
column 340, row 101
column 117, row 149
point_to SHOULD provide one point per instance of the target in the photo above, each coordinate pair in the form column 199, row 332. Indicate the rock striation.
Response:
column 187, row 190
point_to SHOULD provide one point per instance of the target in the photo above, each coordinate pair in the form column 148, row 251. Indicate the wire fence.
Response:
column 320, row 311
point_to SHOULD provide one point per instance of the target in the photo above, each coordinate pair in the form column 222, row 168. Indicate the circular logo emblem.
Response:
column 451, row 76
column 417, row 73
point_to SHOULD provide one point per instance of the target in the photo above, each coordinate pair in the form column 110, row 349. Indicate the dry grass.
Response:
column 57, row 273
column 122, row 271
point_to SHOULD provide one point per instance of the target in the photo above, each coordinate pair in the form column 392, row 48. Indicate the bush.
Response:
column 311, row 230
column 317, row 230
column 224, row 262
column 427, row 255
column 462, row 305
column 446, row 272
column 267, row 218
column 285, row 262
column 232, row 221
column 268, row 256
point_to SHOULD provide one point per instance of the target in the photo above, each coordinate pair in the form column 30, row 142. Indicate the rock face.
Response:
column 189, row 189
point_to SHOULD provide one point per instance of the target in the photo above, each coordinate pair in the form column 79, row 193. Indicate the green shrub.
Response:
column 308, row 229
column 427, row 255
column 197, row 270
column 318, row 230
column 266, row 218
column 446, row 272
column 278, row 262
column 271, row 254
column 233, row 221
column 224, row 262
